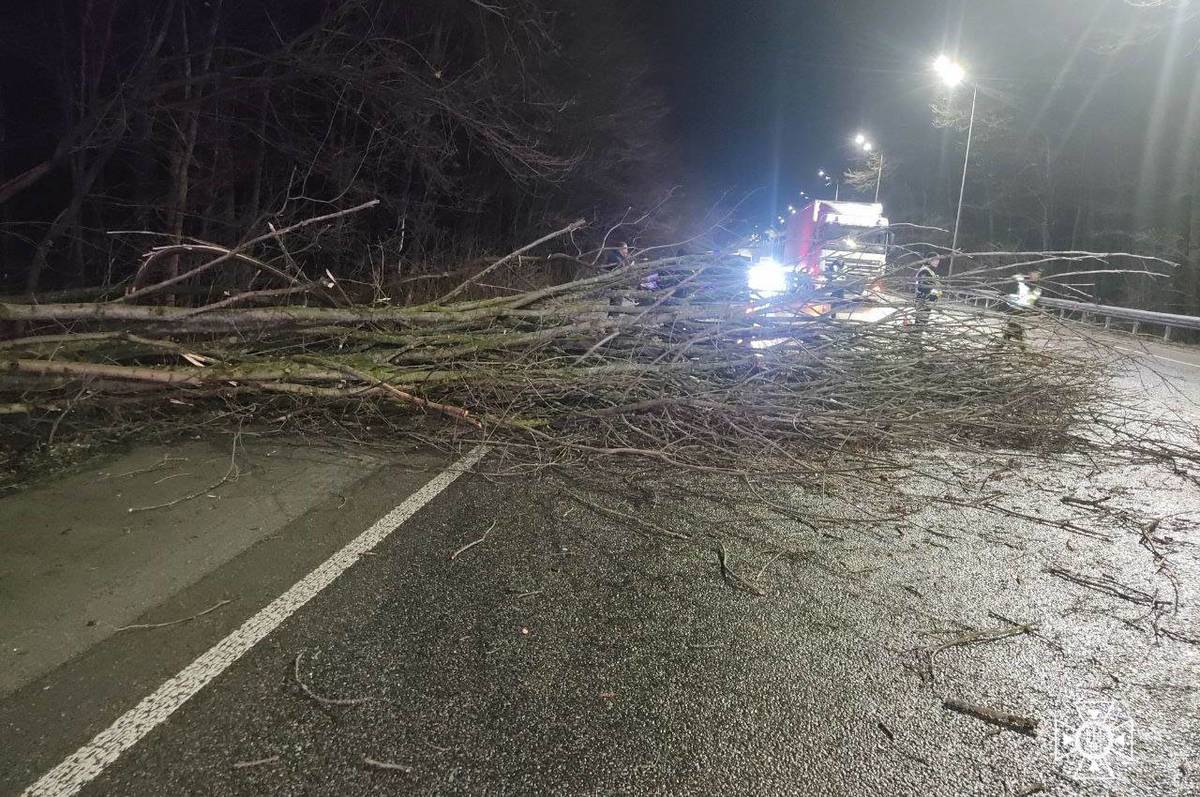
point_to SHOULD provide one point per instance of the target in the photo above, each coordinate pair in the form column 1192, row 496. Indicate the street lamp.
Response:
column 837, row 187
column 953, row 74
column 867, row 147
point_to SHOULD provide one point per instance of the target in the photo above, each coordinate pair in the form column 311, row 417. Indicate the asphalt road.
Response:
column 573, row 651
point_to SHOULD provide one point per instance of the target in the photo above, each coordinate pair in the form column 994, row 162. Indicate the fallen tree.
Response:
column 666, row 359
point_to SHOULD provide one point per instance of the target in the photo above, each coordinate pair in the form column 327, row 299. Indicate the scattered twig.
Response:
column 925, row 656
column 471, row 545
column 985, row 635
column 1032, row 629
column 770, row 562
column 63, row 414
column 732, row 578
column 258, row 762
column 1107, row 585
column 224, row 255
column 162, row 463
column 138, row 626
column 389, row 766
column 613, row 513
column 231, row 474
column 328, row 701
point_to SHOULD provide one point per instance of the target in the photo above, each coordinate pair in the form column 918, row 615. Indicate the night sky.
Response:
column 761, row 79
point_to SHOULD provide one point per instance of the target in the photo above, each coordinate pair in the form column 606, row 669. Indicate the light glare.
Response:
column 767, row 277
column 950, row 72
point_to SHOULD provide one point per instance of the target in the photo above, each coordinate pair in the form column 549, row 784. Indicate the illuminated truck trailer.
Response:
column 838, row 243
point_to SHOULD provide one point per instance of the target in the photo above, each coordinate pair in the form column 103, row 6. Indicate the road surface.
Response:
column 501, row 636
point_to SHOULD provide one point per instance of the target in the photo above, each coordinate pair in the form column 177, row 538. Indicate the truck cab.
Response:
column 839, row 244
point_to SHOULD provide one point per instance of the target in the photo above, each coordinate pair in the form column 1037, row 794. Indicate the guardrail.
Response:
column 1089, row 311
column 1168, row 321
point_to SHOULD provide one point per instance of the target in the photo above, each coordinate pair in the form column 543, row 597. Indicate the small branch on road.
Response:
column 138, row 626
column 1010, row 722
column 627, row 518
column 979, row 636
column 1178, row 637
column 1097, row 503
column 732, row 578
column 230, row 475
column 1107, row 585
column 985, row 635
column 770, row 562
column 471, row 545
column 386, row 765
column 258, row 762
column 327, row 701
column 1065, row 525
column 162, row 463
column 1032, row 629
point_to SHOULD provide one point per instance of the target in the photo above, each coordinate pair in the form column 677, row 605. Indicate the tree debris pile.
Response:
column 668, row 359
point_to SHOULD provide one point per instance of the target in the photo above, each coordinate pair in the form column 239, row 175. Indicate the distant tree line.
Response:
column 476, row 124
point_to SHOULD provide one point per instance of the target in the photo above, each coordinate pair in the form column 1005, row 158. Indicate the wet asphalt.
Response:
column 568, row 654
column 575, row 652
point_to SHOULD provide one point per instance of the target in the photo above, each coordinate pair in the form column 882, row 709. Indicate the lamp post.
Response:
column 952, row 74
column 837, row 187
column 879, row 178
column 866, row 146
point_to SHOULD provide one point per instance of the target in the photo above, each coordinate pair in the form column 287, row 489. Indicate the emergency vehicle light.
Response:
column 767, row 277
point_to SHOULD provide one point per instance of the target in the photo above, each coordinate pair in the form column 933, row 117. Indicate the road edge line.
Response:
column 89, row 761
column 1157, row 356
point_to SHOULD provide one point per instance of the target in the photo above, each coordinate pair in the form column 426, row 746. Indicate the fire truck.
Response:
column 840, row 244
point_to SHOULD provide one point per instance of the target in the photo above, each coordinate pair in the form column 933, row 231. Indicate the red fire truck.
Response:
column 838, row 244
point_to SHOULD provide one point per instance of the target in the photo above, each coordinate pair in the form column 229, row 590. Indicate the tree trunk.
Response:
column 185, row 148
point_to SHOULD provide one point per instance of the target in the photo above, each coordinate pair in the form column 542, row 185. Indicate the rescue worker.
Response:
column 927, row 290
column 1022, row 303
column 928, row 286
column 619, row 256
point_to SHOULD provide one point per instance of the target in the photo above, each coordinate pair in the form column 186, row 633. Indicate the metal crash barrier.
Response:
column 1089, row 312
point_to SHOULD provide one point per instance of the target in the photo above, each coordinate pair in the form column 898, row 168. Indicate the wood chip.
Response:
column 1009, row 722
column 386, row 765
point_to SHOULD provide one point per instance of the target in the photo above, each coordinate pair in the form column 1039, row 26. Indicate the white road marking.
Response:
column 1159, row 356
column 94, row 757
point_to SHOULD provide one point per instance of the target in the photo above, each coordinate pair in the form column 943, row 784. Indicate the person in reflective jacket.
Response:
column 1022, row 303
column 927, row 290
